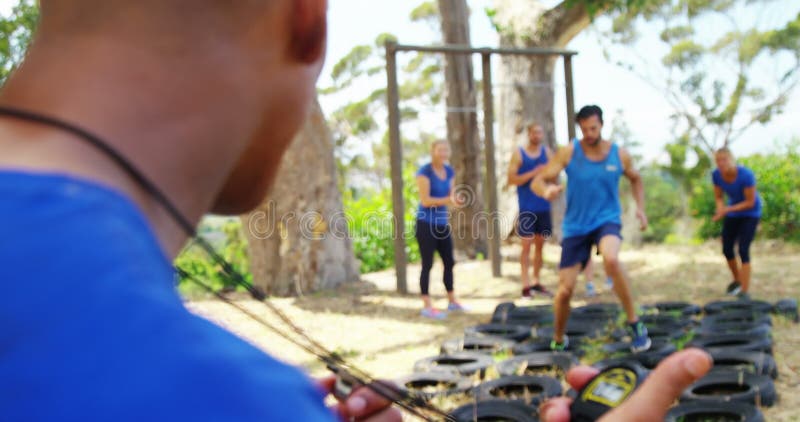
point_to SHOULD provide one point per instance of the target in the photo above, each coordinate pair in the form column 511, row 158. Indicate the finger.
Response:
column 579, row 376
column 387, row 415
column 364, row 401
column 555, row 410
column 651, row 401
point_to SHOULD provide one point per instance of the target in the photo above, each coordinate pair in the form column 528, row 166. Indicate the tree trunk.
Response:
column 298, row 237
column 525, row 83
column 469, row 236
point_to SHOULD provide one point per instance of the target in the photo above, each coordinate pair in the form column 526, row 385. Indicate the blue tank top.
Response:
column 592, row 192
column 745, row 178
column 529, row 201
column 440, row 188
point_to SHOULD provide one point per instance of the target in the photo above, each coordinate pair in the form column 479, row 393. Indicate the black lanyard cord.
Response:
column 332, row 360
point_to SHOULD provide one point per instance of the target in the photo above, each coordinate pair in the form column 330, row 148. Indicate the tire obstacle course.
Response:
column 504, row 369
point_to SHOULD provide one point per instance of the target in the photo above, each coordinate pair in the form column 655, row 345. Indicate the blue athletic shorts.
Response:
column 577, row 249
column 531, row 223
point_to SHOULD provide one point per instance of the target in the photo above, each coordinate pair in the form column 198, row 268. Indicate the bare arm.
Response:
column 637, row 187
column 513, row 167
column 718, row 199
column 544, row 183
column 425, row 198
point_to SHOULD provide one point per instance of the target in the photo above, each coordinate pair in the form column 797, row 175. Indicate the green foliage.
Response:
column 663, row 204
column 776, row 182
column 426, row 11
column 370, row 225
column 16, row 31
column 229, row 242
column 708, row 76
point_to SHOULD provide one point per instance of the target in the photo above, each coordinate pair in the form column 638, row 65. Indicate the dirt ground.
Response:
column 381, row 331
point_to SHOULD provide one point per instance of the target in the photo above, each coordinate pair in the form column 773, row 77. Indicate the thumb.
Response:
column 652, row 400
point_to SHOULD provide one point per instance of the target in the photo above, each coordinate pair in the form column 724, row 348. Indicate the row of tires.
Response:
column 736, row 334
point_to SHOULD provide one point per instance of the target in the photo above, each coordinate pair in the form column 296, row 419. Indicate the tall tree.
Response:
column 738, row 72
column 527, row 92
column 298, row 238
column 462, row 128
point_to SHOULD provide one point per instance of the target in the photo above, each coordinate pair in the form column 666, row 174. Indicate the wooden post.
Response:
column 491, row 180
column 396, row 153
column 570, row 97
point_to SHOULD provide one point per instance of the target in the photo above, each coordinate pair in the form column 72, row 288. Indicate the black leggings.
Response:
column 434, row 238
column 741, row 229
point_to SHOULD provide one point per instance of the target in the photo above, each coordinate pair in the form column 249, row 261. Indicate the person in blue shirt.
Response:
column 203, row 100
column 534, row 225
column 740, row 216
column 593, row 217
column 435, row 184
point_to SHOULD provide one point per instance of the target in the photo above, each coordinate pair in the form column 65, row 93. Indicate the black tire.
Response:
column 531, row 315
column 745, row 329
column 574, row 330
column 543, row 345
column 649, row 359
column 529, row 363
column 509, row 331
column 787, row 308
column 685, row 308
column 596, row 312
column 463, row 363
column 736, row 317
column 733, row 342
column 732, row 386
column 512, row 411
column 758, row 363
column 664, row 334
column 428, row 385
column 625, row 346
column 477, row 344
column 526, row 388
column 502, row 311
column 666, row 321
column 701, row 411
column 737, row 305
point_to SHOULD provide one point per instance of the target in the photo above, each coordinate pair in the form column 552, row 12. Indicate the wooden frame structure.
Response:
column 396, row 149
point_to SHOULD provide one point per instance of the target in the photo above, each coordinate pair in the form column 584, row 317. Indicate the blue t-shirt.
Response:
column 592, row 192
column 529, row 201
column 93, row 328
column 735, row 190
column 440, row 188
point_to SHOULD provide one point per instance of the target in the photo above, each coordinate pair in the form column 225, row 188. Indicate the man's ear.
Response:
column 308, row 24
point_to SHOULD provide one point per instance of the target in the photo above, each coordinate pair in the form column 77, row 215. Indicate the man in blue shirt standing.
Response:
column 593, row 217
column 200, row 98
column 534, row 224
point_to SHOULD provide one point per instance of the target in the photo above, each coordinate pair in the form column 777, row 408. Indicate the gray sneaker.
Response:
column 733, row 288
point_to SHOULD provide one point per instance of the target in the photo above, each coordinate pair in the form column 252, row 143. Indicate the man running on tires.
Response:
column 592, row 217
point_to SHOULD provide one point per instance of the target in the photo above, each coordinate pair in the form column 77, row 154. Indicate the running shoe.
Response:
column 639, row 339
column 733, row 288
column 433, row 313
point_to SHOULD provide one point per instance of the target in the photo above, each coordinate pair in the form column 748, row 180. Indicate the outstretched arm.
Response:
column 637, row 187
column 544, row 184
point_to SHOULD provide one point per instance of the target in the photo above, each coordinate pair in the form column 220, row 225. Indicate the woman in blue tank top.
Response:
column 435, row 183
column 740, row 217
column 593, row 217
